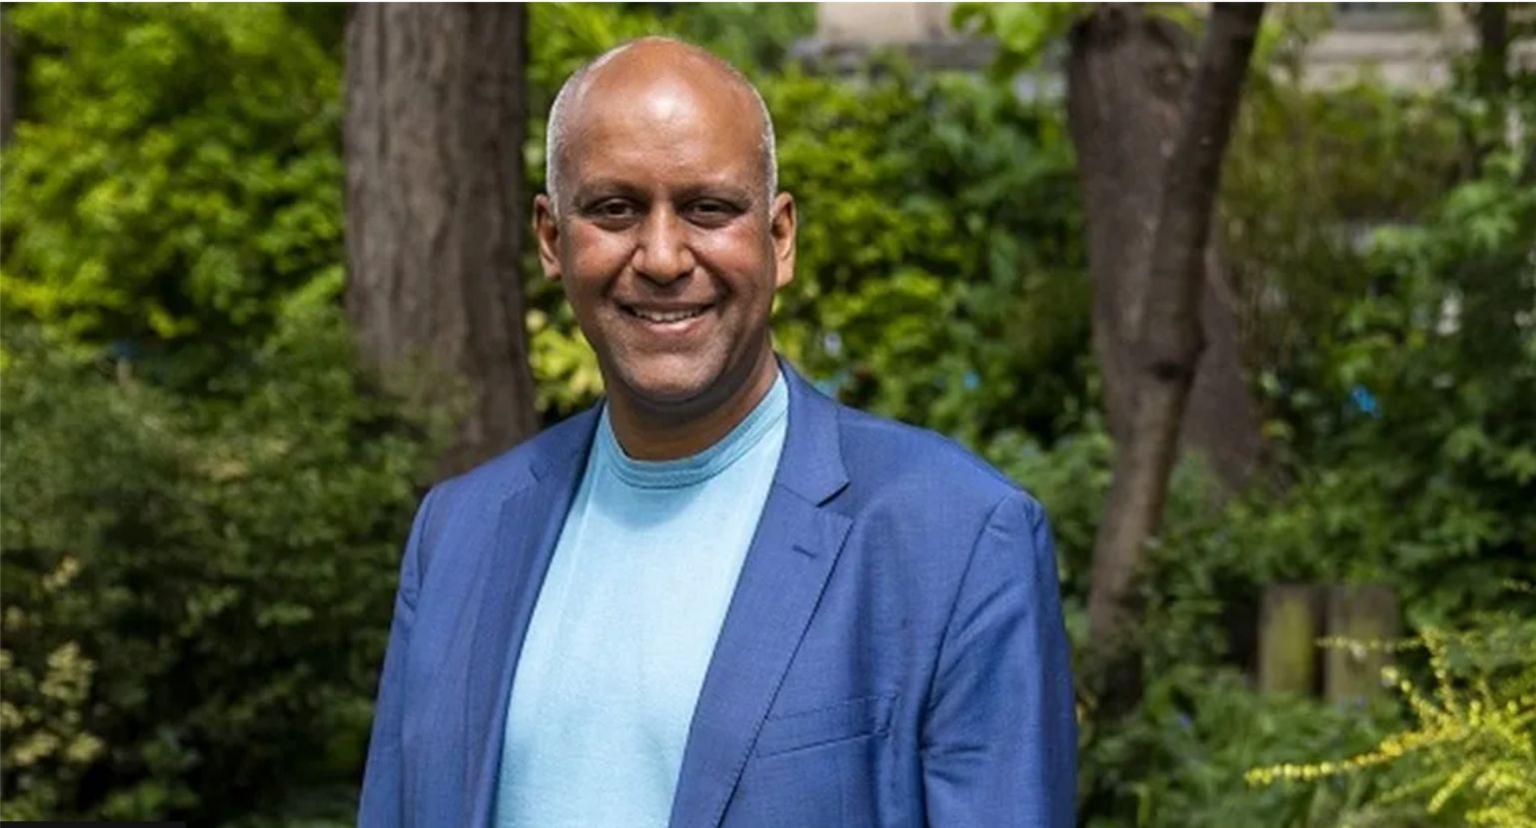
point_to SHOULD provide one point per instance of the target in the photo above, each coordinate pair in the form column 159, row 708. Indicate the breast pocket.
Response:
column 826, row 725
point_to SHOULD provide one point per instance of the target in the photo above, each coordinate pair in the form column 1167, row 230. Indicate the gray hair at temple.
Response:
column 557, row 131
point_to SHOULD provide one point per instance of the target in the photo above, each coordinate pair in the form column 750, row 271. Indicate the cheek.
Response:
column 739, row 255
column 593, row 261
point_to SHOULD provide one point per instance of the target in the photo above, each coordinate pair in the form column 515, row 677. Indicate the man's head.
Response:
column 557, row 132
column 663, row 224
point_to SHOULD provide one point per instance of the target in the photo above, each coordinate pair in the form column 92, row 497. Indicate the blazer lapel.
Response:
column 511, row 575
column 792, row 554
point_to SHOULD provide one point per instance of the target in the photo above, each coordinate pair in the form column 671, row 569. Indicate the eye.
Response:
column 712, row 211
column 611, row 212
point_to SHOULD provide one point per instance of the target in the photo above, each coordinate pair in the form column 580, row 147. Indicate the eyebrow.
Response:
column 604, row 187
column 617, row 186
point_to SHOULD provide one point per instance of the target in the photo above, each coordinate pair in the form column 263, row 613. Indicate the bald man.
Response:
column 717, row 598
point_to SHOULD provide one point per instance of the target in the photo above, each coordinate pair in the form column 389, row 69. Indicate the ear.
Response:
column 781, row 228
column 546, row 228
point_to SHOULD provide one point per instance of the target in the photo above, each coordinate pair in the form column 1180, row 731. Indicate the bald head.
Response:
column 673, row 80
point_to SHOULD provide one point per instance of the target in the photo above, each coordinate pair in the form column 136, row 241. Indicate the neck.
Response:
column 648, row 433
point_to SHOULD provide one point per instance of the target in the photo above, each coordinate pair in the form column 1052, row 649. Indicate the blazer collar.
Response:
column 815, row 470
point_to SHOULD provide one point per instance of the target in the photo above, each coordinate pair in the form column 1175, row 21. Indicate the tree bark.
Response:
column 1492, row 78
column 1126, row 77
column 9, row 85
column 1491, row 81
column 1168, row 334
column 436, row 211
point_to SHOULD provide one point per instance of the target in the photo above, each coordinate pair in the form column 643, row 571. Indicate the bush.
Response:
column 176, row 173
column 942, row 276
column 197, row 593
column 1469, row 756
column 1180, row 759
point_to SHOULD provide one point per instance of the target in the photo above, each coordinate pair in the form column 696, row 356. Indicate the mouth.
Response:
column 666, row 317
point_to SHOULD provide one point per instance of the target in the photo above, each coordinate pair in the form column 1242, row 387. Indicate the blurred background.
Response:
column 266, row 277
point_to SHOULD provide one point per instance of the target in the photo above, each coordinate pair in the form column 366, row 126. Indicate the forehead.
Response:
column 677, row 120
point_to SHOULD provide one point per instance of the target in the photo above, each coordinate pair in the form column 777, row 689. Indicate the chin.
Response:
column 670, row 385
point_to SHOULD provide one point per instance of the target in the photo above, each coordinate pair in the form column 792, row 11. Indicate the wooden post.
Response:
column 1290, row 622
column 1360, row 615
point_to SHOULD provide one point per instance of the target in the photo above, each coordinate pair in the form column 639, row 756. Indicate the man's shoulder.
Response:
column 521, row 465
column 926, row 503
column 890, row 459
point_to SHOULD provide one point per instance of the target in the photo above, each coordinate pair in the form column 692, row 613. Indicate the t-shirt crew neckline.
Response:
column 695, row 468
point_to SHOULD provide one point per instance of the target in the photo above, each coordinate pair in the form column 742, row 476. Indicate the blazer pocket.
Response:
column 864, row 716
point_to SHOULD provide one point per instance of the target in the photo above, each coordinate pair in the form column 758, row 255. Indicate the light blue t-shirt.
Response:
column 625, row 625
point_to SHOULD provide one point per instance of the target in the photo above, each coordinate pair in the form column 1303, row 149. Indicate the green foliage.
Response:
column 1298, row 233
column 1427, row 465
column 196, row 593
column 1469, row 757
column 1024, row 32
column 1422, row 482
column 755, row 37
column 175, row 174
column 46, row 729
column 1180, row 760
column 940, row 263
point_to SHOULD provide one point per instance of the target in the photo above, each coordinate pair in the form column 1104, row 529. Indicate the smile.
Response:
column 662, row 317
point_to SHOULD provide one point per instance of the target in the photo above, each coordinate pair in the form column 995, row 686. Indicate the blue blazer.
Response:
column 893, row 654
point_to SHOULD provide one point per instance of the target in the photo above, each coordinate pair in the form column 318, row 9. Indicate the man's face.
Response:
column 667, row 246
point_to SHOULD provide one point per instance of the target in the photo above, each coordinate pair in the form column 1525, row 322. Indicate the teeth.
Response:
column 667, row 316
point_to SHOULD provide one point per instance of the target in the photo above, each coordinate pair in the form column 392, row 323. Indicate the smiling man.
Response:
column 718, row 598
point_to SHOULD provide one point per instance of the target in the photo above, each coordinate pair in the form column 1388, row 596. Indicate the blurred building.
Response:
column 846, row 32
column 1404, row 45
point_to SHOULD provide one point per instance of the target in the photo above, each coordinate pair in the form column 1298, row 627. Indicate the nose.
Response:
column 663, row 255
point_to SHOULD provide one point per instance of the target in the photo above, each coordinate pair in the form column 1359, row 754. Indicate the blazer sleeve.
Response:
column 383, row 798
column 999, row 740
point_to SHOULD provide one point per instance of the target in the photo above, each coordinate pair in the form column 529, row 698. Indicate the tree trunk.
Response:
column 1122, row 53
column 1491, row 79
column 436, row 212
column 8, row 81
column 1492, row 50
column 1126, row 78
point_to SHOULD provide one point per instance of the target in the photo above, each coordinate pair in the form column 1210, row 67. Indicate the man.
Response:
column 718, row 598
